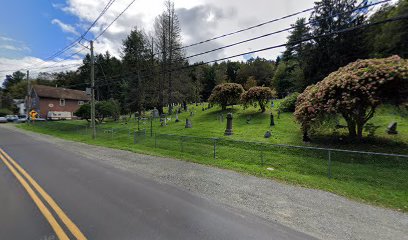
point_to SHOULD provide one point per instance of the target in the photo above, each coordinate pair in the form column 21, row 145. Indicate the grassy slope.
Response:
column 378, row 180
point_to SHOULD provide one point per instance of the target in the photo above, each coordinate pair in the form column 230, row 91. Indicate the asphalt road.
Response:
column 108, row 203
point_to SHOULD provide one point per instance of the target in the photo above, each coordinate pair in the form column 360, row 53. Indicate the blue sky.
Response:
column 29, row 24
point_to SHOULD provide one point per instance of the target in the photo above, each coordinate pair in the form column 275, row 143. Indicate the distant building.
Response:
column 56, row 103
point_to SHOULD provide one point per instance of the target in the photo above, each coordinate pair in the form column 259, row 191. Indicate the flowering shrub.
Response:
column 258, row 95
column 354, row 92
column 226, row 94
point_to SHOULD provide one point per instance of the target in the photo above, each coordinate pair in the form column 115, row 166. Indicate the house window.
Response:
column 80, row 102
column 62, row 102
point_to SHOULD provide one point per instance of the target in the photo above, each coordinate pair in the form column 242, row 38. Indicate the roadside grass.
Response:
column 377, row 180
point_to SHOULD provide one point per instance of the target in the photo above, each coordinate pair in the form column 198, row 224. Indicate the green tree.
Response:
column 136, row 57
column 391, row 38
column 333, row 51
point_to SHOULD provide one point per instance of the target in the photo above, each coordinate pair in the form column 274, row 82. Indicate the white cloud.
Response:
column 36, row 65
column 14, row 48
column 65, row 27
column 200, row 20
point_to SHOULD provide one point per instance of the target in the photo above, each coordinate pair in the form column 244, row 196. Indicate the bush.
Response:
column 103, row 109
column 4, row 112
column 258, row 95
column 84, row 112
column 354, row 92
column 288, row 104
column 226, row 94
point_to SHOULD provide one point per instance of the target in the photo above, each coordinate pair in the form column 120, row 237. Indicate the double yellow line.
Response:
column 24, row 178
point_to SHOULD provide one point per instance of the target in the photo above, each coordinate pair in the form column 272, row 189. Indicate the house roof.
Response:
column 60, row 93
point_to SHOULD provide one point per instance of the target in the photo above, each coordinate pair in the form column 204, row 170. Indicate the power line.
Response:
column 393, row 19
column 108, row 5
column 246, row 29
column 114, row 20
column 283, row 30
column 77, row 40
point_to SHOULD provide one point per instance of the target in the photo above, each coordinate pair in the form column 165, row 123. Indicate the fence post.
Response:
column 155, row 140
column 329, row 165
column 215, row 148
column 151, row 127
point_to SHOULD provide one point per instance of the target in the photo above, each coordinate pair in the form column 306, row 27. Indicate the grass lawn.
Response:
column 378, row 180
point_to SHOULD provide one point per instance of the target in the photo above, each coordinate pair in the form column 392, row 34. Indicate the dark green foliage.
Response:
column 390, row 38
column 288, row 104
column 4, row 112
column 84, row 112
column 103, row 109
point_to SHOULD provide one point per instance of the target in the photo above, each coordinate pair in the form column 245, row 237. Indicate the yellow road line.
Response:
column 64, row 218
column 44, row 210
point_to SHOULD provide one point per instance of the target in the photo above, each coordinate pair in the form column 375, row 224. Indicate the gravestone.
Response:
column 188, row 123
column 268, row 134
column 177, row 120
column 392, row 128
column 272, row 121
column 163, row 121
column 155, row 113
column 248, row 119
column 228, row 130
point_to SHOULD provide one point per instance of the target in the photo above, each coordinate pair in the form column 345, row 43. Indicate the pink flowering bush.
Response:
column 354, row 92
column 258, row 96
column 226, row 94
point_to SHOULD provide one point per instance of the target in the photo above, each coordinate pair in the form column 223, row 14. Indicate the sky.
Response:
column 32, row 31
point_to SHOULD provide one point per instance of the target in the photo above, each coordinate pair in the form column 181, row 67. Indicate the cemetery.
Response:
column 259, row 143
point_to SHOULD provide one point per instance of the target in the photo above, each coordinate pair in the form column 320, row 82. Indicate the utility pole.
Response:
column 27, row 103
column 92, row 93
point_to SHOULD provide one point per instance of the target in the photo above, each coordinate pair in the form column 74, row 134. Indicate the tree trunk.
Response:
column 351, row 125
column 360, row 127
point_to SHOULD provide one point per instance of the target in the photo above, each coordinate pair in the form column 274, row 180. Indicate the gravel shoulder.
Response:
column 321, row 214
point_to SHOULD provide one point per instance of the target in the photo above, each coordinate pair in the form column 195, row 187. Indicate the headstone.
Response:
column 177, row 120
column 155, row 113
column 392, row 128
column 272, row 121
column 163, row 121
column 188, row 123
column 228, row 130
column 268, row 134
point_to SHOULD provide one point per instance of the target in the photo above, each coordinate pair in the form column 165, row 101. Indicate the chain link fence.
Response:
column 305, row 160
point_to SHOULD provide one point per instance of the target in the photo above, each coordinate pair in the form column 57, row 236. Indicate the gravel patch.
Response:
column 318, row 213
